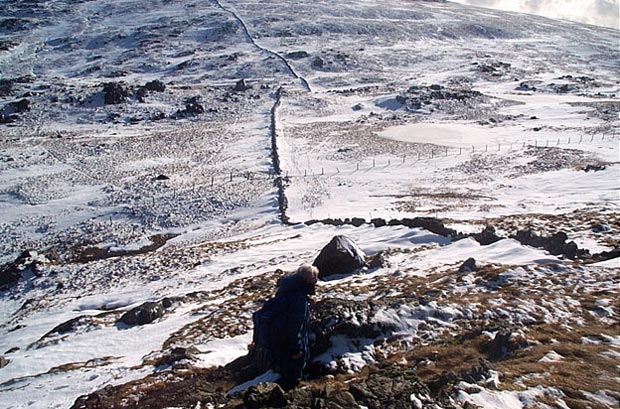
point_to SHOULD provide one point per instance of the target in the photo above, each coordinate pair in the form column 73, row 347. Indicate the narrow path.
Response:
column 303, row 81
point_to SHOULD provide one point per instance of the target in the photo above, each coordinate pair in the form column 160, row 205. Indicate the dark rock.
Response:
column 241, row 86
column 3, row 362
column 167, row 302
column 300, row 398
column 601, row 228
column 468, row 266
column 378, row 222
column 340, row 256
column 264, row 395
column 6, row 87
column 555, row 244
column 594, row 168
column 487, row 236
column 155, row 85
column 570, row 250
column 162, row 177
column 297, row 55
column 317, row 62
column 143, row 314
column 114, row 93
column 193, row 106
column 358, row 221
column 505, row 343
column 377, row 261
column 11, row 272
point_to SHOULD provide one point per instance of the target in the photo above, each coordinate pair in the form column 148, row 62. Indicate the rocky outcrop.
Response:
column 11, row 272
column 114, row 93
column 555, row 244
column 144, row 314
column 241, row 86
column 468, row 266
column 486, row 236
column 340, row 256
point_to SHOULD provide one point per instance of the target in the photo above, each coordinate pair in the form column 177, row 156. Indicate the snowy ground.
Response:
column 414, row 109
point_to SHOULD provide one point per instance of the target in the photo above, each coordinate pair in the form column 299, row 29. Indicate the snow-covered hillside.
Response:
column 181, row 152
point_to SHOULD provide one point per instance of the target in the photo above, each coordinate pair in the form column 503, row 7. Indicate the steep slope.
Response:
column 178, row 157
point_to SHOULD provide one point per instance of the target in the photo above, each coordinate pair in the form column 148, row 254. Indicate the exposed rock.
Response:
column 11, row 272
column 601, row 228
column 3, row 362
column 594, row 168
column 114, row 93
column 178, row 354
column 241, row 86
column 192, row 106
column 264, row 395
column 143, row 314
column 468, row 266
column 317, row 62
column 377, row 261
column 155, row 85
column 555, row 244
column 505, row 343
column 340, row 256
column 297, row 55
column 486, row 236
column 378, row 222
column 162, row 177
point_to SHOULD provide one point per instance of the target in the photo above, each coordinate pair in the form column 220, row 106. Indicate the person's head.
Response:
column 308, row 273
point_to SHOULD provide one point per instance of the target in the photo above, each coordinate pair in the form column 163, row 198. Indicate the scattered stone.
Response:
column 468, row 266
column 317, row 62
column 143, row 314
column 241, row 86
column 114, row 93
column 555, row 244
column 340, row 256
column 377, row 261
column 378, row 222
column 162, row 177
column 264, row 395
column 601, row 228
column 594, row 168
column 193, row 106
column 155, row 86
column 296, row 55
column 487, row 236
column 505, row 343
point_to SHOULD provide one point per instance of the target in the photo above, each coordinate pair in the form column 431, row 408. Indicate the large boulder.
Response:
column 143, row 314
column 340, row 256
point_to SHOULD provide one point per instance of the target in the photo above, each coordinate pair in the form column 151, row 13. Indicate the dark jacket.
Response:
column 281, row 326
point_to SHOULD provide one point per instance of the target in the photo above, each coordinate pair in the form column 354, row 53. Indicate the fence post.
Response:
column 460, row 150
column 231, row 176
column 373, row 163
column 499, row 147
column 358, row 166
column 389, row 162
column 568, row 143
column 212, row 180
column 432, row 154
column 305, row 173
column 403, row 158
column 322, row 171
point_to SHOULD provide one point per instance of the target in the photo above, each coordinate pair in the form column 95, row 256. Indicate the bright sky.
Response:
column 597, row 12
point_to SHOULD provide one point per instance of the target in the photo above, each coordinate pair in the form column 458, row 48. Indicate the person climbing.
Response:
column 281, row 326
